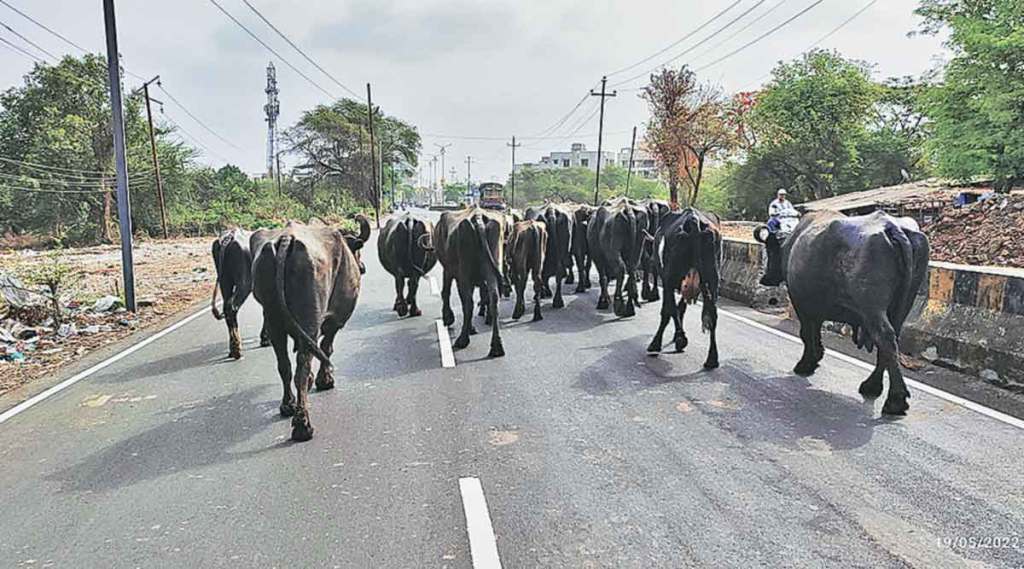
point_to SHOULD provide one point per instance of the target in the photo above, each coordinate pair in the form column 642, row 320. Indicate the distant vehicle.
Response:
column 492, row 195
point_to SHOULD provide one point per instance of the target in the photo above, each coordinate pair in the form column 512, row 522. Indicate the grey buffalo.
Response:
column 233, row 262
column 863, row 271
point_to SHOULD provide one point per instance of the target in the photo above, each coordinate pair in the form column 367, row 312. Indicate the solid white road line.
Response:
column 82, row 375
column 934, row 391
column 445, row 343
column 433, row 286
column 482, row 546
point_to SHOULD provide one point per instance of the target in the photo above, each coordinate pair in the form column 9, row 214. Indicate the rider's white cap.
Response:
column 781, row 192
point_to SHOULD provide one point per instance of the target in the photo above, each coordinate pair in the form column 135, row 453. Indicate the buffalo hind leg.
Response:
column 279, row 340
column 264, row 335
column 888, row 357
column 447, row 316
column 497, row 349
column 234, row 336
column 520, row 282
column 400, row 305
column 537, row 285
column 810, row 333
column 302, row 429
column 325, row 375
column 669, row 311
column 709, row 322
column 603, row 300
column 558, row 302
column 466, row 295
column 414, row 287
column 871, row 388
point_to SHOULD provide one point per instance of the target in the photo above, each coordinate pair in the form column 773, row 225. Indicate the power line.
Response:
column 677, row 42
column 270, row 49
column 194, row 117
column 298, row 49
column 49, row 191
column 694, row 46
column 762, row 36
column 140, row 177
column 29, row 42
column 44, row 167
column 195, row 140
column 746, row 27
column 41, row 25
column 561, row 121
column 21, row 50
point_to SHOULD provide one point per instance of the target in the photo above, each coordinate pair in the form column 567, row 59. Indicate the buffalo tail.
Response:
column 284, row 245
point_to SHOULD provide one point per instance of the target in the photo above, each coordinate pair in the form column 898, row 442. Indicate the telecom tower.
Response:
column 272, row 109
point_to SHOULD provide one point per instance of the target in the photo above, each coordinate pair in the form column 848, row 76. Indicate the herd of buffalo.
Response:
column 863, row 271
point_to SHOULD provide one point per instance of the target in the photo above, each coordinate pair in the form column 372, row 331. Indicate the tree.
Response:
column 976, row 114
column 334, row 142
column 537, row 185
column 687, row 127
column 810, row 118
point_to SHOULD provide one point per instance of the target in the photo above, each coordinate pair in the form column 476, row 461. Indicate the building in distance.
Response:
column 644, row 164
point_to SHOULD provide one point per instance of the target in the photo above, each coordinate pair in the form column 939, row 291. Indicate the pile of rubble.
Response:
column 989, row 232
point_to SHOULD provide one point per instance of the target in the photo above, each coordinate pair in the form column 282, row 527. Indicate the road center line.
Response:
column 934, row 391
column 445, row 343
column 482, row 545
column 84, row 374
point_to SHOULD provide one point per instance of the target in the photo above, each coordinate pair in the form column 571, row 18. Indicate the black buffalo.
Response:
column 580, row 251
column 691, row 263
column 863, row 271
column 401, row 248
column 656, row 211
column 469, row 244
column 308, row 280
column 558, row 220
column 615, row 237
column 233, row 261
column 526, row 254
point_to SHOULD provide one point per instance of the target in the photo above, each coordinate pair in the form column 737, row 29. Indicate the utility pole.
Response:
column 469, row 183
column 443, row 147
column 152, row 146
column 373, row 160
column 600, row 133
column 277, row 162
column 512, row 204
column 433, row 179
column 124, row 206
column 629, row 173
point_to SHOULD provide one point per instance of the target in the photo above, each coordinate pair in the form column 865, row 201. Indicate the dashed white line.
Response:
column 82, row 375
column 445, row 343
column 482, row 545
column 934, row 391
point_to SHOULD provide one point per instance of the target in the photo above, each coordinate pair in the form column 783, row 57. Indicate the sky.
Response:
column 463, row 71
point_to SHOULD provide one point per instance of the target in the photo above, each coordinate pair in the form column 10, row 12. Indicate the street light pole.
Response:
column 124, row 207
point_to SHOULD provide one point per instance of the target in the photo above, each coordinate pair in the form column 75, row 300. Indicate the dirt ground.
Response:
column 169, row 277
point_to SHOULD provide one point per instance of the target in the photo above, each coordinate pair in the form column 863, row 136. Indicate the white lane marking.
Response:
column 433, row 286
column 482, row 545
column 84, row 374
column 445, row 343
column 934, row 391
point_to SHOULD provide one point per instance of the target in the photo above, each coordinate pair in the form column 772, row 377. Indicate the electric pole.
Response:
column 152, row 146
column 600, row 133
column 469, row 184
column 277, row 161
column 629, row 173
column 512, row 204
column 443, row 147
column 373, row 160
column 124, row 206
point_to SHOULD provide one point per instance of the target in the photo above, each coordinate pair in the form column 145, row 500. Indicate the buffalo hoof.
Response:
column 871, row 388
column 570, row 279
column 517, row 313
column 620, row 308
column 895, row 406
column 235, row 354
column 287, row 409
column 402, row 309
column 497, row 350
column 447, row 317
column 655, row 346
column 629, row 310
column 711, row 363
column 415, row 311
column 472, row 330
column 580, row 288
column 324, row 380
column 804, row 368
column 602, row 303
column 558, row 302
column 681, row 342
column 461, row 342
column 264, row 342
column 302, row 431
column 536, row 315
column 646, row 295
column 655, row 297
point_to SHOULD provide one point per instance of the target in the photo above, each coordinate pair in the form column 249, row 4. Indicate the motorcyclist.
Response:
column 782, row 216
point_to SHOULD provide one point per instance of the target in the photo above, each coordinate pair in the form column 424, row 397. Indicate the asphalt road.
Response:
column 589, row 452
